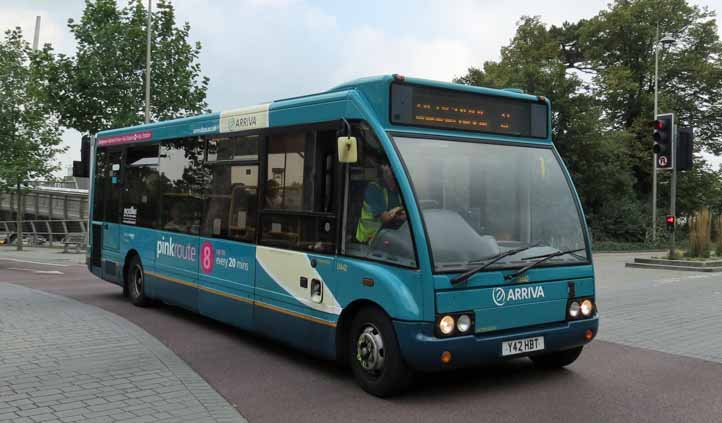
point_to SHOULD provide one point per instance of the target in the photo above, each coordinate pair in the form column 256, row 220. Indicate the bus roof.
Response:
column 375, row 90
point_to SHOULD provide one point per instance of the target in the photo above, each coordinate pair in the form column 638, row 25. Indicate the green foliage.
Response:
column 613, row 246
column 599, row 74
column 103, row 85
column 30, row 135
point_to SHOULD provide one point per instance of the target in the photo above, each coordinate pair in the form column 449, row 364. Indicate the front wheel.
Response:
column 556, row 359
column 375, row 355
column 135, row 283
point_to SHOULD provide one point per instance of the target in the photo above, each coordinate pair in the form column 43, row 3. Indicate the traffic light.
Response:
column 670, row 222
column 81, row 169
column 685, row 149
column 663, row 141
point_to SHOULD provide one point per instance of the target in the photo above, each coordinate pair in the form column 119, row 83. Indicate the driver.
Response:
column 381, row 206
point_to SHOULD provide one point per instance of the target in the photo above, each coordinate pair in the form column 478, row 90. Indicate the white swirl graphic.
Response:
column 498, row 296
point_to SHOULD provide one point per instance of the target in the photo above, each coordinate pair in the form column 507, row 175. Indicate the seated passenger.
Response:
column 382, row 206
column 176, row 221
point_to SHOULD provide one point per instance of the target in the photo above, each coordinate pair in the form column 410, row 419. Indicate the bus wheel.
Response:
column 136, row 283
column 556, row 359
column 375, row 356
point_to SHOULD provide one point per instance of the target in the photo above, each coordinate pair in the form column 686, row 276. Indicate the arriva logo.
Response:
column 500, row 296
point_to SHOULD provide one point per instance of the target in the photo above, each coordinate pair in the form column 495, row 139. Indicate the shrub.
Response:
column 699, row 233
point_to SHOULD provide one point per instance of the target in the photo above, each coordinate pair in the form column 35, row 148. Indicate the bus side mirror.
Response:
column 347, row 150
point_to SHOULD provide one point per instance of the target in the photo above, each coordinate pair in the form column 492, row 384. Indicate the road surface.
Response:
column 658, row 359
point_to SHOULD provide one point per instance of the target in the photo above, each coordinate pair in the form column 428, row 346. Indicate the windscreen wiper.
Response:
column 491, row 260
column 542, row 260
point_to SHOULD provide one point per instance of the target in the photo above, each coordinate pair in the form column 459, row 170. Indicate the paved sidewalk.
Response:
column 64, row 361
column 675, row 312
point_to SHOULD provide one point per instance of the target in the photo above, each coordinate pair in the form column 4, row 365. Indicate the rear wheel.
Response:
column 375, row 355
column 556, row 359
column 135, row 283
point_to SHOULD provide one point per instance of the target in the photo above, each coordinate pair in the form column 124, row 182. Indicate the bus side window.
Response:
column 376, row 221
column 140, row 203
column 113, row 186
column 230, row 195
column 101, row 174
column 182, row 181
column 300, row 194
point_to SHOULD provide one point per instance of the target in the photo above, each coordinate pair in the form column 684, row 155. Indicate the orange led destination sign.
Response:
column 449, row 109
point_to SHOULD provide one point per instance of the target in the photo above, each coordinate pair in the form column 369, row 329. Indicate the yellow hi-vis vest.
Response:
column 369, row 224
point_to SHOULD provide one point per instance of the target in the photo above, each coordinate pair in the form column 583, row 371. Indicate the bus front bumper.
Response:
column 422, row 350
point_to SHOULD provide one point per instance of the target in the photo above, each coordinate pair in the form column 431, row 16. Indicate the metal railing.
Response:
column 46, row 232
column 46, row 203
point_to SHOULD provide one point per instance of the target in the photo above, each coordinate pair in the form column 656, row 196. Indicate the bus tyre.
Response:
column 556, row 359
column 136, row 283
column 375, row 355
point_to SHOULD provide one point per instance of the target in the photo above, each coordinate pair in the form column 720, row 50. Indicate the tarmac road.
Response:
column 267, row 382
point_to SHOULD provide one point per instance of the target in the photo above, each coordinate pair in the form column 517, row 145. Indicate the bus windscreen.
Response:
column 448, row 109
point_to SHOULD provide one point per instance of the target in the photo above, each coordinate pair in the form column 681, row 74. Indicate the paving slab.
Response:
column 673, row 311
column 62, row 360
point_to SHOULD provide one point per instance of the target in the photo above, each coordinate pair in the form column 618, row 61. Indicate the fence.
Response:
column 46, row 203
column 47, row 232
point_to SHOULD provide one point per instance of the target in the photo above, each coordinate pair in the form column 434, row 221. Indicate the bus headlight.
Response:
column 574, row 310
column 587, row 308
column 446, row 325
column 463, row 323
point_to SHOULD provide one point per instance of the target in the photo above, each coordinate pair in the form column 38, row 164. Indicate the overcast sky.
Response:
column 260, row 50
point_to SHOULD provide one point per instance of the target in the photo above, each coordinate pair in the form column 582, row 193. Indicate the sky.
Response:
column 256, row 51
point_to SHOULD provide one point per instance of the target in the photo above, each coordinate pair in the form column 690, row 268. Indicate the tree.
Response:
column 599, row 74
column 617, row 48
column 534, row 61
column 30, row 133
column 103, row 85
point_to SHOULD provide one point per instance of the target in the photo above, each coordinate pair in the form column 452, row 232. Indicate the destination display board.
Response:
column 448, row 109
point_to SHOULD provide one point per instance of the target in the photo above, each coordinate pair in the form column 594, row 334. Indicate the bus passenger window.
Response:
column 101, row 175
column 140, row 202
column 230, row 202
column 230, row 195
column 299, row 210
column 182, row 181
column 288, row 183
column 377, row 225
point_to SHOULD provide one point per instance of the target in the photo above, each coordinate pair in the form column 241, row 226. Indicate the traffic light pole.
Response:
column 673, row 189
column 654, row 156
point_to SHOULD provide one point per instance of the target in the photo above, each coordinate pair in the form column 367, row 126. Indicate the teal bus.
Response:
column 397, row 225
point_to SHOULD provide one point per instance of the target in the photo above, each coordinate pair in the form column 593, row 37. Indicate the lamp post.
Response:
column 665, row 42
column 147, row 66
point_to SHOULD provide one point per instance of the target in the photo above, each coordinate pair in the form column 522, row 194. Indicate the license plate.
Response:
column 521, row 346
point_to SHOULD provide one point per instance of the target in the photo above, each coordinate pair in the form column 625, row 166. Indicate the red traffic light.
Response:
column 658, row 124
column 670, row 220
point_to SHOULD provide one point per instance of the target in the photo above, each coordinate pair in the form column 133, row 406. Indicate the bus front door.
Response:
column 110, row 239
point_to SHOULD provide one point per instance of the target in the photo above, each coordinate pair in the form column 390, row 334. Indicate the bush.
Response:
column 610, row 246
column 699, row 233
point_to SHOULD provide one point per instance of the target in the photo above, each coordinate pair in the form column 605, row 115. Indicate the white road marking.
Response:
column 37, row 262
column 40, row 272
